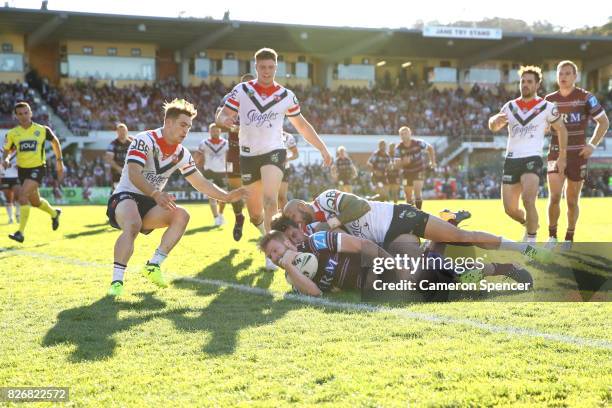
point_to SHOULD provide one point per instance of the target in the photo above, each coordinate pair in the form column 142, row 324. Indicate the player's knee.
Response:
column 510, row 210
column 529, row 202
column 181, row 216
column 256, row 220
column 270, row 201
column 572, row 203
column 132, row 227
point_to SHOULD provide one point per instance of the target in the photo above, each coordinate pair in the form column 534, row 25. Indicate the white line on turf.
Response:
column 361, row 307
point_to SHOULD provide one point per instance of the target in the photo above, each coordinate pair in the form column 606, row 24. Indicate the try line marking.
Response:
column 360, row 307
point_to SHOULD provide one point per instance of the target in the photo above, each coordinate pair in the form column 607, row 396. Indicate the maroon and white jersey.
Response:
column 527, row 123
column 214, row 151
column 158, row 160
column 262, row 113
column 373, row 225
column 576, row 109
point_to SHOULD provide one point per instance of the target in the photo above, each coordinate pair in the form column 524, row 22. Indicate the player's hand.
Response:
column 237, row 194
column 500, row 121
column 327, row 159
column 59, row 166
column 5, row 163
column 164, row 200
column 227, row 121
column 587, row 151
column 561, row 165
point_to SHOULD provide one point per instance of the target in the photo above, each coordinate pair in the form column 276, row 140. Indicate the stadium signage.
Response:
column 463, row 32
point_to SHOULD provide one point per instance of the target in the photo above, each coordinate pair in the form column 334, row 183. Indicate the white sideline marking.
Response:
column 361, row 307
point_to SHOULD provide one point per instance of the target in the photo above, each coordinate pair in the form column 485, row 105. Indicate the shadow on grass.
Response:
column 201, row 229
column 230, row 311
column 88, row 233
column 102, row 224
column 91, row 328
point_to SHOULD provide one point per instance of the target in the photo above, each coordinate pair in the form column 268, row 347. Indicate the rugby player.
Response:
column 576, row 106
column 116, row 152
column 379, row 162
column 291, row 146
column 527, row 119
column 262, row 106
column 415, row 157
column 9, row 184
column 343, row 170
column 139, row 204
column 211, row 156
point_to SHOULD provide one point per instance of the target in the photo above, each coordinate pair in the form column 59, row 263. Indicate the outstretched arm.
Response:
column 311, row 136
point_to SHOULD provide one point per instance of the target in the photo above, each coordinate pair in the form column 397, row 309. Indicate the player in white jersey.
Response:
column 291, row 147
column 262, row 106
column 138, row 204
column 527, row 119
column 9, row 185
column 384, row 223
column 211, row 157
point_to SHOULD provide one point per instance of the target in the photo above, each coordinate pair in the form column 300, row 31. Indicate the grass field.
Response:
column 211, row 340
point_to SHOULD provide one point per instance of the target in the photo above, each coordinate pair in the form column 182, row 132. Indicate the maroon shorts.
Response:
column 576, row 169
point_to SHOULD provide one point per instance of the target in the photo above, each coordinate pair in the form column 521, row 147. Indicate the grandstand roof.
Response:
column 333, row 43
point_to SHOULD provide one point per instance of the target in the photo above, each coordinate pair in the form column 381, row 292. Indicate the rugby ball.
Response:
column 307, row 264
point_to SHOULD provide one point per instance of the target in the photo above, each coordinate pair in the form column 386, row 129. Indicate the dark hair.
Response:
column 281, row 223
column 21, row 104
column 273, row 235
column 265, row 54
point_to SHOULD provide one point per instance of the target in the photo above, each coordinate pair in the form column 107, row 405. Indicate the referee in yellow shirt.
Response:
column 29, row 141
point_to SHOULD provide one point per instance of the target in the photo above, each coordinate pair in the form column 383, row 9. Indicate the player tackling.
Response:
column 138, row 204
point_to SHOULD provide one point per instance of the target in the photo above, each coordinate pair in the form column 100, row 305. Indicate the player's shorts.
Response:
column 33, row 173
column 250, row 166
column 515, row 168
column 8, row 182
column 144, row 203
column 412, row 176
column 576, row 169
column 217, row 178
column 286, row 175
column 407, row 219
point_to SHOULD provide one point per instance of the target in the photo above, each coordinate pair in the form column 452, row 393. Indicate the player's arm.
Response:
column 561, row 130
column 603, row 123
column 350, row 208
column 432, row 155
column 498, row 121
column 57, row 149
column 109, row 157
column 294, row 154
column 226, row 117
column 355, row 245
column 139, row 181
column 8, row 145
column 299, row 281
column 311, row 136
column 204, row 186
column 198, row 158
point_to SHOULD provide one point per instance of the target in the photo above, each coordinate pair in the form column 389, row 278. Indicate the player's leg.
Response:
column 555, row 190
column 234, row 183
column 213, row 208
column 42, row 204
column 418, row 189
column 511, row 194
column 15, row 190
column 529, row 192
column 27, row 188
column 221, row 180
column 408, row 193
column 572, row 195
column 176, row 222
column 271, row 178
column 282, row 194
column 10, row 198
column 127, row 218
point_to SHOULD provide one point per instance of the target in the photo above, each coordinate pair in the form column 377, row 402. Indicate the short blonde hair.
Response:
column 565, row 63
column 530, row 69
column 404, row 128
column 266, row 53
column 179, row 107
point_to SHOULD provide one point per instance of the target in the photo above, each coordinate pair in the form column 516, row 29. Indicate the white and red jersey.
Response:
column 11, row 172
column 527, row 123
column 289, row 143
column 158, row 160
column 215, row 152
column 262, row 113
column 372, row 226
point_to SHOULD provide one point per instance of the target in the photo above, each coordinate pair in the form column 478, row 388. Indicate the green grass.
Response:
column 195, row 344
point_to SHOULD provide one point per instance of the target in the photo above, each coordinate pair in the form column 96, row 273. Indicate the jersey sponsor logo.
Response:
column 246, row 177
column 530, row 165
column 593, row 101
column 523, row 132
column 140, row 145
column 37, row 133
column 155, row 179
column 407, row 214
column 572, row 117
column 319, row 240
column 28, row 146
column 330, row 199
column 261, row 119
column 275, row 157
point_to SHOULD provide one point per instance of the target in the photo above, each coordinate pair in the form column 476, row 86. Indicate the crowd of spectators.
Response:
column 10, row 93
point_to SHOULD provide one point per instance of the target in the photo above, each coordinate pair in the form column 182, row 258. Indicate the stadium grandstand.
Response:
column 84, row 73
